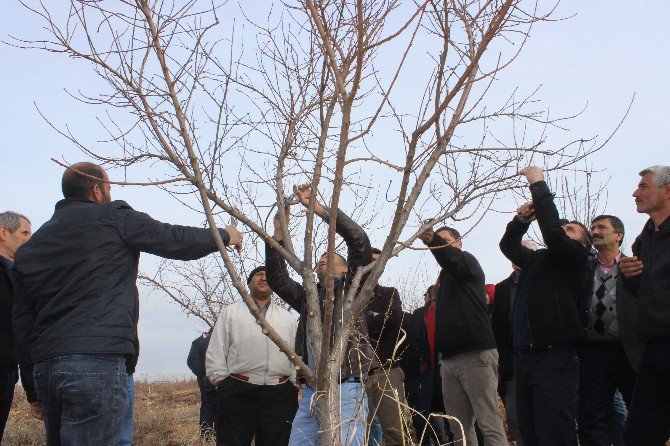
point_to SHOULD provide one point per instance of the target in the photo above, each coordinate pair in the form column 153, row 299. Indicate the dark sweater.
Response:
column 502, row 328
column 652, row 287
column 461, row 320
column 384, row 319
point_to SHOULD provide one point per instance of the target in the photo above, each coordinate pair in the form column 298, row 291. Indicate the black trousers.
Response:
column 8, row 379
column 603, row 368
column 207, row 404
column 247, row 411
column 649, row 415
column 547, row 387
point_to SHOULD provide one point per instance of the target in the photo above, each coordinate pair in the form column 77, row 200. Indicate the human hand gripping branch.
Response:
column 303, row 193
column 235, row 238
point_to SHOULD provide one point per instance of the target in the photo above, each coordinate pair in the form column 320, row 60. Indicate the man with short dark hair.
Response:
column 611, row 353
column 15, row 230
column 76, row 306
column 359, row 360
column 256, row 396
column 547, row 322
column 196, row 362
column 465, row 342
column 647, row 276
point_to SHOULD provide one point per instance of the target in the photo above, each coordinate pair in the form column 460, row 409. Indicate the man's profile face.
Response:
column 604, row 235
column 429, row 297
column 649, row 197
column 450, row 239
column 575, row 232
column 12, row 240
column 339, row 270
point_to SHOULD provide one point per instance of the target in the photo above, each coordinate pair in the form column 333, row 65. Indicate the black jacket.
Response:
column 384, row 320
column 196, row 356
column 652, row 287
column 556, row 278
column 462, row 323
column 75, row 278
column 502, row 330
column 7, row 356
column 359, row 358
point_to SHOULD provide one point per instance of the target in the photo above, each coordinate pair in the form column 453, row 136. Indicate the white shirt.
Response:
column 238, row 346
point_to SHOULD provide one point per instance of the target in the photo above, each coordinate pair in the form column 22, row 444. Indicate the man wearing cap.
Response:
column 256, row 396
column 551, row 293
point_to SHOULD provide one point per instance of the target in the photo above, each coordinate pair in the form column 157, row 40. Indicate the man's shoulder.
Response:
column 118, row 204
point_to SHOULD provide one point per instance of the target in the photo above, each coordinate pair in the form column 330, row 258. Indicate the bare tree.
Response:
column 320, row 98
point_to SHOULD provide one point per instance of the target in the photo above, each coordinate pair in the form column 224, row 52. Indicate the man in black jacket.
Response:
column 76, row 307
column 196, row 362
column 14, row 231
column 547, row 324
column 502, row 321
column 465, row 342
column 359, row 360
column 611, row 354
column 385, row 387
column 647, row 276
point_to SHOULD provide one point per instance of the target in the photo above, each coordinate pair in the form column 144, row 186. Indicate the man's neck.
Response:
column 261, row 301
column 5, row 254
column 607, row 255
column 659, row 216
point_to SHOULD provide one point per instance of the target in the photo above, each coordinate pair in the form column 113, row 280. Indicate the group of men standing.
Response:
column 574, row 324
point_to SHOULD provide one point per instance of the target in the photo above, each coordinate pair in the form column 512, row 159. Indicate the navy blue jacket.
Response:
column 75, row 290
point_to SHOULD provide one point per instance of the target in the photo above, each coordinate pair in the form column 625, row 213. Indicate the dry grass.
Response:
column 166, row 414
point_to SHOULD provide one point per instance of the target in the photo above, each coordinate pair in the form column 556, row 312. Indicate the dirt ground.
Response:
column 166, row 414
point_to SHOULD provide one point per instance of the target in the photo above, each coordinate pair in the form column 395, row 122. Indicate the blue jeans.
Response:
column 353, row 409
column 84, row 398
column 128, row 420
column 376, row 432
column 617, row 421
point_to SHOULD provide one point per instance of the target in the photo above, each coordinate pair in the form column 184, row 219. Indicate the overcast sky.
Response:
column 601, row 57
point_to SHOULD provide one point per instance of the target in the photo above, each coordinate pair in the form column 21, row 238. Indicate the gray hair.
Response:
column 661, row 175
column 11, row 220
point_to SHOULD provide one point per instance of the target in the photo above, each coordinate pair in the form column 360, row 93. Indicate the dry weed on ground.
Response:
column 166, row 414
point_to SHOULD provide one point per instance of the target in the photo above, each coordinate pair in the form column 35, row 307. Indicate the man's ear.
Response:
column 3, row 233
column 96, row 194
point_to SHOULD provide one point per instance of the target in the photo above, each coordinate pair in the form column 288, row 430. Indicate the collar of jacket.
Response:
column 68, row 201
column 662, row 228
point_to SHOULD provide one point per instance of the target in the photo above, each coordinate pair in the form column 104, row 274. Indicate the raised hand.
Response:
column 235, row 238
column 303, row 193
column 525, row 213
column 427, row 235
column 532, row 173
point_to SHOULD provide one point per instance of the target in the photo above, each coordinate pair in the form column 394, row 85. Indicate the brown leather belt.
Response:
column 246, row 378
